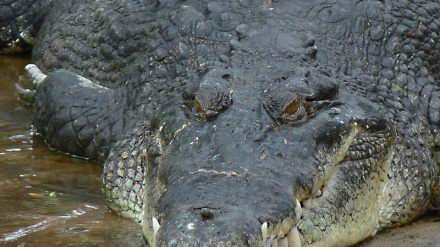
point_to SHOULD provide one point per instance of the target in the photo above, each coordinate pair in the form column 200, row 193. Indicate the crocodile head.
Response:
column 258, row 154
column 301, row 160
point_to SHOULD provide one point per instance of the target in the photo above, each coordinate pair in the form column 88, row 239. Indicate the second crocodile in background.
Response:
column 247, row 123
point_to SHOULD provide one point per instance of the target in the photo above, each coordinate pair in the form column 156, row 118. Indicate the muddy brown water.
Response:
column 51, row 199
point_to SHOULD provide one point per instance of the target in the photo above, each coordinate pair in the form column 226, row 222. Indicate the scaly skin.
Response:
column 19, row 23
column 248, row 123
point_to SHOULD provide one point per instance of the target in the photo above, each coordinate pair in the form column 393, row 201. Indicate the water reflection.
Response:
column 48, row 198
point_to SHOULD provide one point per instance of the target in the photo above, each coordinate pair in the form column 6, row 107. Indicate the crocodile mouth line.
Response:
column 276, row 236
column 283, row 234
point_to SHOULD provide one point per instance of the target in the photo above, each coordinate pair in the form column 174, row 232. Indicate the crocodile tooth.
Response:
column 293, row 238
column 283, row 242
column 156, row 226
column 307, row 203
column 318, row 193
column 268, row 242
column 298, row 205
column 264, row 231
column 273, row 242
column 298, row 209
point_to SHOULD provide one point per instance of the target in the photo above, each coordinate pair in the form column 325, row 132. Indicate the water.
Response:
column 48, row 198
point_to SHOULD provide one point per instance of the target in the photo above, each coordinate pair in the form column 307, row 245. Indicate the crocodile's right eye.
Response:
column 206, row 102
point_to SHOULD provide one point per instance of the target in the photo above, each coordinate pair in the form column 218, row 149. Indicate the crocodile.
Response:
column 246, row 122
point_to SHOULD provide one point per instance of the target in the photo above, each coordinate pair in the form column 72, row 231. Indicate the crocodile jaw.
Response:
column 312, row 222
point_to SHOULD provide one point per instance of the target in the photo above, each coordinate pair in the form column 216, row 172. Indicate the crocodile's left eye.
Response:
column 288, row 107
column 206, row 102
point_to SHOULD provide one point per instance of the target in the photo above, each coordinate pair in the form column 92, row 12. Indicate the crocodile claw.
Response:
column 28, row 95
column 36, row 74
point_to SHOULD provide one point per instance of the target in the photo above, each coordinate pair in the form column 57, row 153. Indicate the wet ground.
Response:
column 50, row 199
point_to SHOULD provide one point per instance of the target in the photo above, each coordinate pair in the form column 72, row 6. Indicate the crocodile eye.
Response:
column 291, row 108
column 197, row 108
column 293, row 113
column 206, row 103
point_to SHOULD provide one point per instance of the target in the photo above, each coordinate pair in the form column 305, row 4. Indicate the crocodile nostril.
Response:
column 206, row 213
